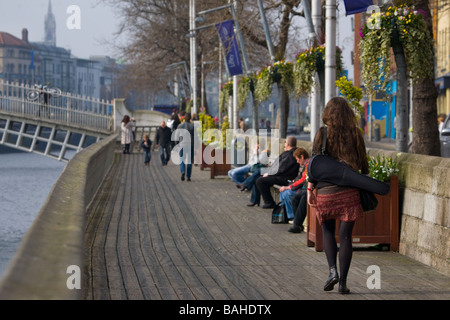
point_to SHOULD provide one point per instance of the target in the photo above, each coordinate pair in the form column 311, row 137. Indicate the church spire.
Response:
column 50, row 26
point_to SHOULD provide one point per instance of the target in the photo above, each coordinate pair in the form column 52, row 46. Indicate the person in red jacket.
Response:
column 287, row 192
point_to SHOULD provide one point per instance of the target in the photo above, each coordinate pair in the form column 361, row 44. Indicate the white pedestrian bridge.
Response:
column 57, row 125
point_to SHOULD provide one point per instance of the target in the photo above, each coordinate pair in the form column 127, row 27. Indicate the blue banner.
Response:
column 32, row 59
column 356, row 6
column 233, row 58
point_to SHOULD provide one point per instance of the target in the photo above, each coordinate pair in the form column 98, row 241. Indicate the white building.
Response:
column 345, row 38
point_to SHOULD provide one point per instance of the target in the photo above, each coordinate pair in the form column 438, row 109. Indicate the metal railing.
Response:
column 65, row 108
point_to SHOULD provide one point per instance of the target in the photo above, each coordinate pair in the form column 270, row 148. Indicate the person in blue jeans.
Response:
column 186, row 147
column 255, row 198
column 163, row 140
column 287, row 192
column 238, row 175
column 146, row 145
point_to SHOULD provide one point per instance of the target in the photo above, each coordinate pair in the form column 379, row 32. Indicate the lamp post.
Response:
column 193, row 55
column 330, row 49
column 233, row 121
column 316, row 93
column 266, row 31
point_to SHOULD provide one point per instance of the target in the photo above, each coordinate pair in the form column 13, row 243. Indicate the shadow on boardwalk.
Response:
column 151, row 236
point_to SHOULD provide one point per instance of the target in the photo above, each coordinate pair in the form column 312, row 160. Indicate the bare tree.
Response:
column 156, row 33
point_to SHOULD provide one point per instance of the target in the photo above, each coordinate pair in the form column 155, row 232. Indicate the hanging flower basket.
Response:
column 264, row 82
column 409, row 27
column 308, row 62
column 225, row 92
column 281, row 72
column 352, row 93
column 245, row 86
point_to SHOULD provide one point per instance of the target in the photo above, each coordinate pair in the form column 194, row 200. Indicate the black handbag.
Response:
column 369, row 201
column 279, row 213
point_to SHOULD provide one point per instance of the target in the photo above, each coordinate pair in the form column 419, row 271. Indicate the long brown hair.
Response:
column 344, row 139
column 126, row 119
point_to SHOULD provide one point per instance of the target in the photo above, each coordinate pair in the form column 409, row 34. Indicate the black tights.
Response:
column 345, row 245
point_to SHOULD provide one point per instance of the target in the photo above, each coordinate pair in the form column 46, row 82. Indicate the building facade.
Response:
column 18, row 63
column 29, row 63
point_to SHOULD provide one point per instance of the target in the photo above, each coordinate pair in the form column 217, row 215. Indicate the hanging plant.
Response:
column 225, row 92
column 308, row 62
column 351, row 93
column 375, row 46
column 226, row 135
column 244, row 88
column 264, row 82
column 283, row 74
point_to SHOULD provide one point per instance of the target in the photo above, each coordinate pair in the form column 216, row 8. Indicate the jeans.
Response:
column 286, row 196
column 164, row 153
column 299, row 207
column 147, row 156
column 186, row 162
column 256, row 195
column 238, row 174
column 251, row 180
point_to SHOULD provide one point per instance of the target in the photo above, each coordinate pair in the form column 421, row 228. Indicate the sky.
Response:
column 92, row 36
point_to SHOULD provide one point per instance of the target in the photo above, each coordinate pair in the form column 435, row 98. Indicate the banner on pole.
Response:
column 32, row 59
column 356, row 6
column 227, row 36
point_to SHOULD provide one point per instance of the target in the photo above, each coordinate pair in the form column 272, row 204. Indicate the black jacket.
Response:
column 163, row 136
column 285, row 166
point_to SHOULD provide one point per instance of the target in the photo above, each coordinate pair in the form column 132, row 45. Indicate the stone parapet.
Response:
column 54, row 242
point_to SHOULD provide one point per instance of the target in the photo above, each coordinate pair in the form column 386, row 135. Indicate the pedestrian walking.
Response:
column 344, row 142
column 127, row 126
column 163, row 141
column 185, row 136
column 146, row 145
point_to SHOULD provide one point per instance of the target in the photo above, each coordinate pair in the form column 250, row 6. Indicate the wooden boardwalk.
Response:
column 151, row 236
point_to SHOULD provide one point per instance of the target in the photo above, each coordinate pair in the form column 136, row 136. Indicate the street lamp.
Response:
column 330, row 50
column 201, row 17
column 193, row 54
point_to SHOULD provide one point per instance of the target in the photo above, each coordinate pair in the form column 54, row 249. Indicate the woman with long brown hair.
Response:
column 127, row 137
column 344, row 142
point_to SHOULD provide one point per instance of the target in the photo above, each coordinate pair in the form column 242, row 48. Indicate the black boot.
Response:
column 343, row 287
column 333, row 278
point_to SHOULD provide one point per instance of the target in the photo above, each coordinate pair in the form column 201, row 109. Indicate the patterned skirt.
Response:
column 342, row 205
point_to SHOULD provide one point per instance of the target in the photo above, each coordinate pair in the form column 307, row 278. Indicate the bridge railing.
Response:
column 67, row 108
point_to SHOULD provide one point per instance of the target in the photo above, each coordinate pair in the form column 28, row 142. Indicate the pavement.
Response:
column 151, row 236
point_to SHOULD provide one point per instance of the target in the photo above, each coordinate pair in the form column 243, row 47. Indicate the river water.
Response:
column 25, row 182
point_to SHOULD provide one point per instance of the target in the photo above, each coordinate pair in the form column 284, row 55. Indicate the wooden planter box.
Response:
column 203, row 165
column 378, row 227
column 220, row 169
